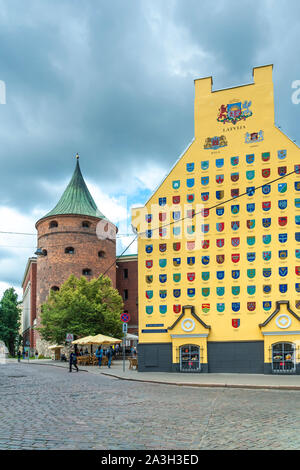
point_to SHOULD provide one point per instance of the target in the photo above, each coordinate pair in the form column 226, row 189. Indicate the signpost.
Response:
column 69, row 337
column 125, row 317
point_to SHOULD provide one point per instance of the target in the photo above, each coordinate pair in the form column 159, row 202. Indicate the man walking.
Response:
column 109, row 356
column 99, row 355
column 73, row 361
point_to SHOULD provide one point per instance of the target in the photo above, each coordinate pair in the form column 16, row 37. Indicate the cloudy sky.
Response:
column 113, row 81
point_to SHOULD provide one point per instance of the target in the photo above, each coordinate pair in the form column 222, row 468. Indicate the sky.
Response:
column 114, row 81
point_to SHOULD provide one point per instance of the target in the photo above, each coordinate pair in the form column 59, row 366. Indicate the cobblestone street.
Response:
column 44, row 407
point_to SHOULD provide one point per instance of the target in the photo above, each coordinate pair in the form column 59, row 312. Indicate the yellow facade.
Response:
column 233, row 263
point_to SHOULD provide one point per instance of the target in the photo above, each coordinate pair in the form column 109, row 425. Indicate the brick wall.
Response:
column 55, row 268
column 129, row 284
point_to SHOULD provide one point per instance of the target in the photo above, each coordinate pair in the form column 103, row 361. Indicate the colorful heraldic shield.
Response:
column 234, row 112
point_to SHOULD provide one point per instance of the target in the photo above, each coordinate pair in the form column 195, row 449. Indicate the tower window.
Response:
column 125, row 294
column 53, row 224
column 55, row 288
column 86, row 224
column 86, row 272
column 101, row 254
column 125, row 273
column 70, row 250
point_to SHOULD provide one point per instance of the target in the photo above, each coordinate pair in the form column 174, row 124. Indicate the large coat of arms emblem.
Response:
column 234, row 112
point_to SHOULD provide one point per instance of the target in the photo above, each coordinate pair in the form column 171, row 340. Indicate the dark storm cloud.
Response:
column 114, row 82
column 95, row 77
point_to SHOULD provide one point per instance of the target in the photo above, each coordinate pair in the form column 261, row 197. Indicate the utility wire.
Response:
column 207, row 209
column 170, row 223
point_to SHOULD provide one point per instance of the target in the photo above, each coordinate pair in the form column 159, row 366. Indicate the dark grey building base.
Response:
column 244, row 357
column 155, row 357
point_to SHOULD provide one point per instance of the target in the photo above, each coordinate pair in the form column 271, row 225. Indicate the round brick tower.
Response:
column 74, row 238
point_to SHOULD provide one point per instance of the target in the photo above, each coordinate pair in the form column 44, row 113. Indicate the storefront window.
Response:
column 189, row 358
column 283, row 358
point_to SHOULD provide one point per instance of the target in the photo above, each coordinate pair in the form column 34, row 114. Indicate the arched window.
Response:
column 70, row 250
column 53, row 224
column 101, row 254
column 86, row 224
column 55, row 288
column 283, row 358
column 87, row 272
column 190, row 358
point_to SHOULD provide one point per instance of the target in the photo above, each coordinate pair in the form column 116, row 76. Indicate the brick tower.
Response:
column 73, row 238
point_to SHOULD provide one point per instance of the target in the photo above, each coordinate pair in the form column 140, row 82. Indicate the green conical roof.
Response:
column 76, row 199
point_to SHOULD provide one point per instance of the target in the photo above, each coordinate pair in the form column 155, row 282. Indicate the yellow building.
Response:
column 219, row 243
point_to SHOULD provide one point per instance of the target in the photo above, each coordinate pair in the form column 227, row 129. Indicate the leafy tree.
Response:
column 83, row 308
column 10, row 315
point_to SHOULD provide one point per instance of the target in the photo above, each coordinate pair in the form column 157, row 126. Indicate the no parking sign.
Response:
column 125, row 317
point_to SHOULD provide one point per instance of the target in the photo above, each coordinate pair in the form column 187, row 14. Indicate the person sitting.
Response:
column 63, row 357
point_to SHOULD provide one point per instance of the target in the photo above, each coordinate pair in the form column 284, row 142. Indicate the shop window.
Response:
column 190, row 358
column 70, row 250
column 283, row 358
column 53, row 224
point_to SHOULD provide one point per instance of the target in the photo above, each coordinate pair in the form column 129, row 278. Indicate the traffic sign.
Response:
column 125, row 317
column 125, row 327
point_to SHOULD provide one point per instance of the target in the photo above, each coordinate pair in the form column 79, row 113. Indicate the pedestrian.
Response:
column 99, row 355
column 19, row 355
column 73, row 361
column 36, row 354
column 23, row 354
column 109, row 356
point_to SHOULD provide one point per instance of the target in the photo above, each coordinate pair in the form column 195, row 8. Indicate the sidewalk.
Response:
column 248, row 381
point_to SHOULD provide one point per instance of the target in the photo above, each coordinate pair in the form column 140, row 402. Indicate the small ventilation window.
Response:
column 86, row 224
column 101, row 254
column 86, row 272
column 55, row 288
column 53, row 224
column 70, row 250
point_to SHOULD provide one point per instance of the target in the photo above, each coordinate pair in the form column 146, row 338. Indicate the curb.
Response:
column 210, row 385
column 186, row 384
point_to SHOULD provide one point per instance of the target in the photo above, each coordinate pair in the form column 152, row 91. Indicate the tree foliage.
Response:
column 10, row 314
column 83, row 308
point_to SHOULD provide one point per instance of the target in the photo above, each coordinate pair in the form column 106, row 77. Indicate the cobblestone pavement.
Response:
column 44, row 407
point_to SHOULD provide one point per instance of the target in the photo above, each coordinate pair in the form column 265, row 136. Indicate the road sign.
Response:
column 125, row 317
column 69, row 337
column 125, row 327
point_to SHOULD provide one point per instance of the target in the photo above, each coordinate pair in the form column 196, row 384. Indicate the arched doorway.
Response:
column 283, row 358
column 190, row 358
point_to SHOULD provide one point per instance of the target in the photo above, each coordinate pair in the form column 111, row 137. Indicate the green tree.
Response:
column 83, row 308
column 10, row 315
